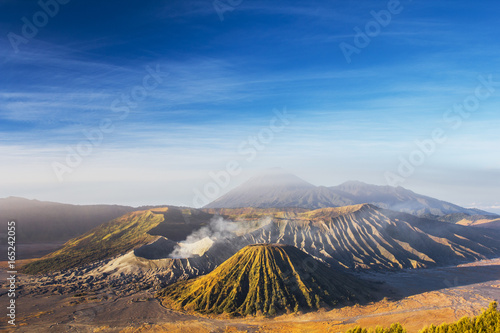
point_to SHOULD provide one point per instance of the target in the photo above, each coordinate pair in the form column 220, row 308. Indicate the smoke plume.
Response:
column 217, row 230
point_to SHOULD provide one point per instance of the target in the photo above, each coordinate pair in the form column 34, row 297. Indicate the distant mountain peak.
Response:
column 276, row 177
column 353, row 183
column 276, row 188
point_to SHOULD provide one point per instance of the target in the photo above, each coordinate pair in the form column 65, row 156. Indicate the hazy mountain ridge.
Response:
column 278, row 190
column 264, row 191
column 482, row 221
column 43, row 221
column 398, row 199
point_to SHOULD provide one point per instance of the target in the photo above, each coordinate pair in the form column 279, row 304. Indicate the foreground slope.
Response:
column 266, row 279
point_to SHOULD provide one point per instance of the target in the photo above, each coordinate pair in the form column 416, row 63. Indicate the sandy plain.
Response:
column 415, row 298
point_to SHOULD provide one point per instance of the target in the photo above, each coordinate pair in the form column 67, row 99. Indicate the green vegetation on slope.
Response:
column 486, row 322
column 112, row 238
column 265, row 279
column 395, row 328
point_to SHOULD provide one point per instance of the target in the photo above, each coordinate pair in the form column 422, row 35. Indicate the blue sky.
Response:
column 220, row 82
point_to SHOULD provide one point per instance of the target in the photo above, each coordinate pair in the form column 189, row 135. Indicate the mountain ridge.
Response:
column 262, row 191
column 46, row 221
column 357, row 237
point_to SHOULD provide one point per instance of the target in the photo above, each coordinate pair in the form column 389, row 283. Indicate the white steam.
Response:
column 187, row 249
column 201, row 240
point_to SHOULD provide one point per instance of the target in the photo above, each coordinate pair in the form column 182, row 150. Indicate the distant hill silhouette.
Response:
column 42, row 221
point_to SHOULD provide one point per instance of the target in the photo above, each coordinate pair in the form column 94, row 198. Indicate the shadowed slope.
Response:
column 114, row 237
column 266, row 279
column 121, row 235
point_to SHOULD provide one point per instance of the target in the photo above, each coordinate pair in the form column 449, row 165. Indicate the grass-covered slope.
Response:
column 121, row 235
column 486, row 322
column 112, row 238
column 265, row 279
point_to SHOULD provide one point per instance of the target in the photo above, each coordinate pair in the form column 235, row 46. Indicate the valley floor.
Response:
column 415, row 298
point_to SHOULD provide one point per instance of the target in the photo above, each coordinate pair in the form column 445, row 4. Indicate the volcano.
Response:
column 266, row 279
column 276, row 188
